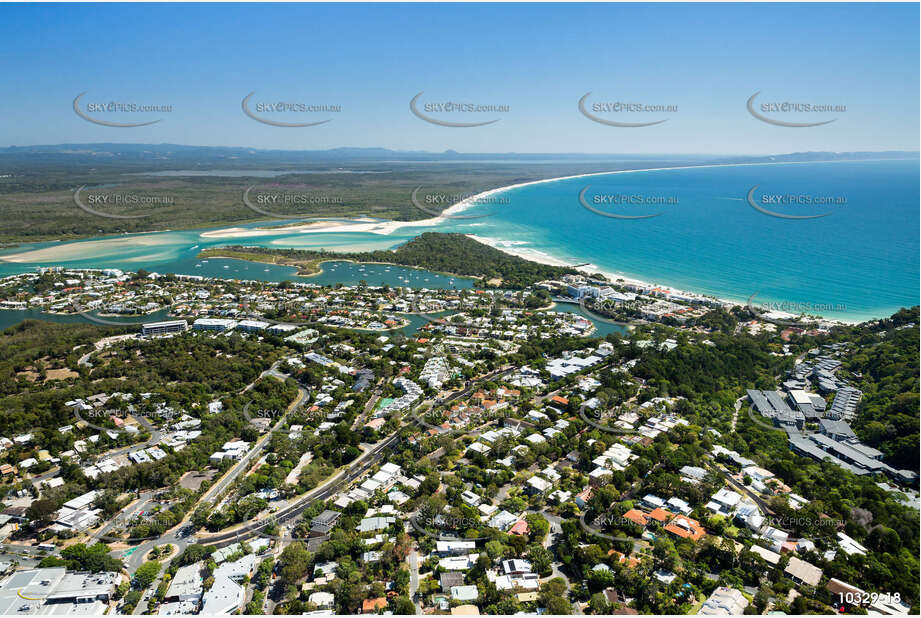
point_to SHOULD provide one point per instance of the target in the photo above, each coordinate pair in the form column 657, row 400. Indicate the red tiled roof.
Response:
column 520, row 527
column 372, row 605
column 637, row 517
column 686, row 528
column 631, row 562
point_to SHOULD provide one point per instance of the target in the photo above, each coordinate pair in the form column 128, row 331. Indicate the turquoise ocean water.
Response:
column 859, row 261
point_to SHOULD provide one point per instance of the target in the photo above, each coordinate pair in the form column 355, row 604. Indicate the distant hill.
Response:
column 180, row 153
column 37, row 183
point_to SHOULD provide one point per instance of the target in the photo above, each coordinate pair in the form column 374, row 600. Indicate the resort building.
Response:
column 162, row 328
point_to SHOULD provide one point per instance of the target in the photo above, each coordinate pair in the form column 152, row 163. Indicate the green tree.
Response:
column 147, row 573
column 294, row 561
column 403, row 606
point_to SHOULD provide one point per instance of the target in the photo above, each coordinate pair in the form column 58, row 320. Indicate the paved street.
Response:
column 413, row 560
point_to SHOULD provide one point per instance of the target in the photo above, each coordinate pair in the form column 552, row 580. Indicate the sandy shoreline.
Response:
column 542, row 257
column 319, row 227
column 388, row 227
column 75, row 250
column 373, row 226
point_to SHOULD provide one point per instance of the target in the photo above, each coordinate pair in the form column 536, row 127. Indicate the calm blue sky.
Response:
column 538, row 59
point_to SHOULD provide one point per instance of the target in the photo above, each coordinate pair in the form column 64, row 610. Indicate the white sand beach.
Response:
column 320, row 227
column 380, row 227
column 103, row 248
column 541, row 257
column 373, row 226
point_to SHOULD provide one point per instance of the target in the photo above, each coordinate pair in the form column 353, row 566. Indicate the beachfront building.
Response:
column 162, row 328
column 214, row 324
column 252, row 326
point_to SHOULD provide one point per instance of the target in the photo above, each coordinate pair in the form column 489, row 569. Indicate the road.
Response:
column 269, row 599
column 745, row 490
column 334, row 484
column 234, row 472
column 155, row 436
column 471, row 386
column 289, row 514
column 556, row 528
column 738, row 406
column 413, row 560
column 25, row 554
column 173, row 536
column 141, row 606
column 134, row 508
column 360, row 418
column 353, row 470
column 101, row 344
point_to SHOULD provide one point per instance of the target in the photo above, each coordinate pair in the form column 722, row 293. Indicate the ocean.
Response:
column 858, row 261
column 729, row 231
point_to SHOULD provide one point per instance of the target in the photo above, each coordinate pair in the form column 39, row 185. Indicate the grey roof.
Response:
column 694, row 472
column 847, row 453
column 54, row 590
column 791, row 417
column 84, row 585
column 777, row 401
column 724, row 601
column 224, row 596
column 326, row 519
column 803, row 571
column 808, row 411
column 450, row 579
column 845, row 402
column 869, row 451
column 839, row 430
column 760, row 402
column 805, row 446
column 818, row 402
column 186, row 583
column 371, row 524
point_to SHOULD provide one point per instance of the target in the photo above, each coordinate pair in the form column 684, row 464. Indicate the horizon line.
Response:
column 457, row 152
